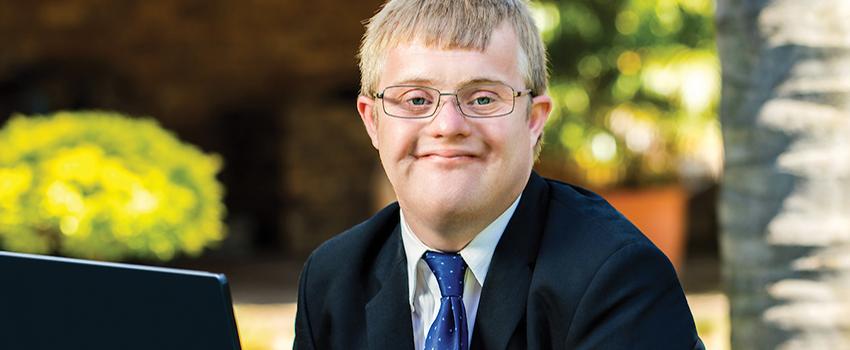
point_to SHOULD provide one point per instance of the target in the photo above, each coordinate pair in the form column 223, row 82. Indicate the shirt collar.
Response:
column 477, row 254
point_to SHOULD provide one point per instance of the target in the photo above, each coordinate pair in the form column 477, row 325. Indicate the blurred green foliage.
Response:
column 100, row 185
column 635, row 85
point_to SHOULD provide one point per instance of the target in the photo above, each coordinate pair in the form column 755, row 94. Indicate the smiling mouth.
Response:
column 450, row 158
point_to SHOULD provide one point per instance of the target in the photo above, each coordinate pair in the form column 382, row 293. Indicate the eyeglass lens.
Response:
column 477, row 100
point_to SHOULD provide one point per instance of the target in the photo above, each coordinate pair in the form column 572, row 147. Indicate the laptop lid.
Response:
column 60, row 303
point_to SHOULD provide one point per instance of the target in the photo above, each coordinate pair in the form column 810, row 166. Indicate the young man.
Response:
column 479, row 252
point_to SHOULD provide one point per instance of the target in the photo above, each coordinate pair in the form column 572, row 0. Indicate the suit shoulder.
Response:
column 589, row 250
column 583, row 232
column 582, row 212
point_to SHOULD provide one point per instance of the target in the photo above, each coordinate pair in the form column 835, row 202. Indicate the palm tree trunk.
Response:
column 785, row 203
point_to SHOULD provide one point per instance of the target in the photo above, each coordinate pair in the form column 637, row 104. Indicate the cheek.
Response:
column 508, row 140
column 396, row 139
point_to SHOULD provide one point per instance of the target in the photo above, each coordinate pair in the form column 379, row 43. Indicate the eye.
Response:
column 417, row 101
column 416, row 98
column 483, row 100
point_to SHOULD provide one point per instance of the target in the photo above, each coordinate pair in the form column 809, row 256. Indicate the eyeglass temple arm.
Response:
column 520, row 93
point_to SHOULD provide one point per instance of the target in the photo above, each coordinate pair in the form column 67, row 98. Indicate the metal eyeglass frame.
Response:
column 440, row 95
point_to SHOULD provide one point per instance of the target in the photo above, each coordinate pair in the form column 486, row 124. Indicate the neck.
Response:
column 450, row 232
column 444, row 236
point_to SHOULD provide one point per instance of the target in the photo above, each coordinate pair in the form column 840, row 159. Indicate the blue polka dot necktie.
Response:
column 449, row 330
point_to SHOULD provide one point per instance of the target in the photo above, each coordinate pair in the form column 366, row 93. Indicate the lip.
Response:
column 446, row 154
column 447, row 159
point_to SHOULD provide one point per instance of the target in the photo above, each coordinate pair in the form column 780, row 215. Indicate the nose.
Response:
column 448, row 121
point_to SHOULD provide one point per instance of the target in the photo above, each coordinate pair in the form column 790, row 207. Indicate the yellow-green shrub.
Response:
column 100, row 185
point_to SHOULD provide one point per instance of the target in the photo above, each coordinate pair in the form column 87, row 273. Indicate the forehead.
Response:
column 449, row 67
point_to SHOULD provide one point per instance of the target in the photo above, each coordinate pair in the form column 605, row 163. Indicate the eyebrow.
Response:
column 428, row 82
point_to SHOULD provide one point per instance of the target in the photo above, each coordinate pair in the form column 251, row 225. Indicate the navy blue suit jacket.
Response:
column 570, row 272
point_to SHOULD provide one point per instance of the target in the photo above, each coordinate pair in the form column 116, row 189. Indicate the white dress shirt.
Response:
column 422, row 285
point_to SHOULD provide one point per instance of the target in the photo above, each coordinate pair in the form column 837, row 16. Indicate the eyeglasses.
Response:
column 486, row 100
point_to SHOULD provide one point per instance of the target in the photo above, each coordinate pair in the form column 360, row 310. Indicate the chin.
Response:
column 448, row 201
column 446, row 193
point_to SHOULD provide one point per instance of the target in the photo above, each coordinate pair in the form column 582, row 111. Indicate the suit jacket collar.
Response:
column 503, row 298
column 388, row 323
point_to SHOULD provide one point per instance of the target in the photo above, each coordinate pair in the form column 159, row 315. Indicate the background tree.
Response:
column 785, row 207
column 635, row 85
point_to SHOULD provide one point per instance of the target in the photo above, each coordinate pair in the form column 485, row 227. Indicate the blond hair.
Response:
column 450, row 24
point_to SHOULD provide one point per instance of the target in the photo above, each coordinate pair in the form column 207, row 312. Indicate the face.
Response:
column 449, row 166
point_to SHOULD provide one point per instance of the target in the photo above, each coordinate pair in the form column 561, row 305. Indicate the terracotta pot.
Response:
column 660, row 213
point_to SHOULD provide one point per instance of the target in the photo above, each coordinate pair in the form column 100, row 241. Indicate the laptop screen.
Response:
column 60, row 303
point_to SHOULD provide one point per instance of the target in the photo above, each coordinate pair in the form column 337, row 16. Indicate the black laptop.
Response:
column 59, row 303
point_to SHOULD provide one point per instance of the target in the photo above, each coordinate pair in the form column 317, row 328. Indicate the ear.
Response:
column 366, row 108
column 541, row 106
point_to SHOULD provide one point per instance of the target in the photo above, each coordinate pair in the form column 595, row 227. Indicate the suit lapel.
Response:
column 503, row 298
column 388, row 322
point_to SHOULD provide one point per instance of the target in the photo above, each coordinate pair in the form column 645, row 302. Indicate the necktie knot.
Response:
column 449, row 268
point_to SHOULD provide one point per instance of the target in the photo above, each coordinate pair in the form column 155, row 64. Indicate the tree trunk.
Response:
column 785, row 203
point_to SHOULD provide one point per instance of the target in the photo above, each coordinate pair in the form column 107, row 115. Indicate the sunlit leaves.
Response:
column 576, row 18
column 653, row 60
column 547, row 17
